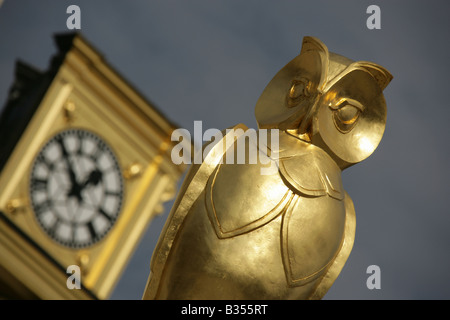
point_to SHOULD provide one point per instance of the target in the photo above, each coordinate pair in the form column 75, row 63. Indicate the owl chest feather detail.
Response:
column 306, row 191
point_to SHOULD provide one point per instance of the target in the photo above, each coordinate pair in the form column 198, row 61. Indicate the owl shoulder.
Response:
column 312, row 172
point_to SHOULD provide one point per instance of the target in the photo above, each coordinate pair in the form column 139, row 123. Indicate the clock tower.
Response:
column 84, row 167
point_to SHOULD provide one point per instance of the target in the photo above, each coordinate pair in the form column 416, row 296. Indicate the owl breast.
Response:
column 249, row 236
column 239, row 200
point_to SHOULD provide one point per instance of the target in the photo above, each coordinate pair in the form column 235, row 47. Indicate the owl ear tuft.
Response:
column 318, row 66
column 381, row 75
column 312, row 43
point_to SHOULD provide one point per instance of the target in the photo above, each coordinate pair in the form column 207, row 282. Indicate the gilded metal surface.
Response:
column 234, row 233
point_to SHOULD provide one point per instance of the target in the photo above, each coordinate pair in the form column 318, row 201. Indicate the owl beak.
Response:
column 305, row 127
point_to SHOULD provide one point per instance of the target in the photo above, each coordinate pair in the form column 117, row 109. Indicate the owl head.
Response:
column 328, row 100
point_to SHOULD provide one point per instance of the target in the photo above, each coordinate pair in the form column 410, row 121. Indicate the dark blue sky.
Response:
column 210, row 60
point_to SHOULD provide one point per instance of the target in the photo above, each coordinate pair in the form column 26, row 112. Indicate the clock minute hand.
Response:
column 75, row 187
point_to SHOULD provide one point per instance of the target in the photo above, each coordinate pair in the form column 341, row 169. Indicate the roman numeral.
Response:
column 39, row 184
column 79, row 150
column 52, row 229
column 105, row 214
column 98, row 152
column 92, row 230
column 72, row 236
column 42, row 159
column 42, row 207
column 112, row 193
column 62, row 146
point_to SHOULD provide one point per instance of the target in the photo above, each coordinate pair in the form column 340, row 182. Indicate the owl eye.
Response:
column 299, row 89
column 346, row 114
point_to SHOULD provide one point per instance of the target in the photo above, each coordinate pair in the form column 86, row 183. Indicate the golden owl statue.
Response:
column 235, row 233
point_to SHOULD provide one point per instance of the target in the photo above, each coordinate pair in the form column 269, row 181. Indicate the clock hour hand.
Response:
column 94, row 178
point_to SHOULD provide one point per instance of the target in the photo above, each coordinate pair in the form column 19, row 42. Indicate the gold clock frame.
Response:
column 86, row 93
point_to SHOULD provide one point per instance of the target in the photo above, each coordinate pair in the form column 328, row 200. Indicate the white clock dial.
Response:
column 76, row 188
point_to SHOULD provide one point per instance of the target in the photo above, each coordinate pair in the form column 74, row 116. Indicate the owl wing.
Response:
column 193, row 185
column 343, row 254
column 239, row 199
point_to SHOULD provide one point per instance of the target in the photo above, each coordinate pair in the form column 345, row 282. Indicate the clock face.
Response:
column 76, row 188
